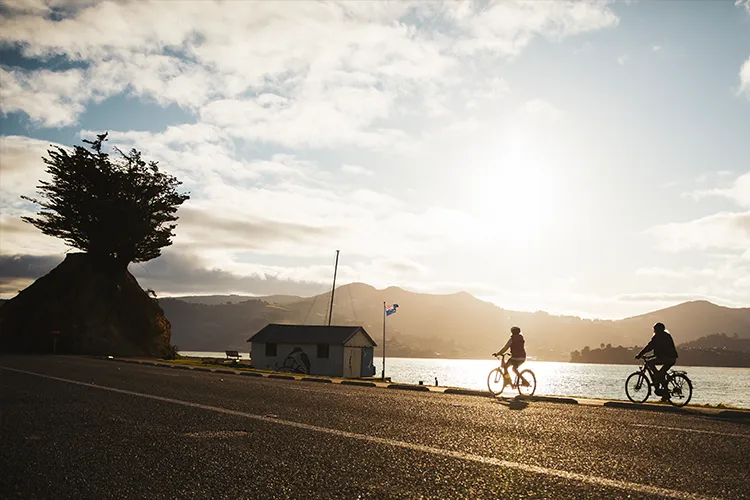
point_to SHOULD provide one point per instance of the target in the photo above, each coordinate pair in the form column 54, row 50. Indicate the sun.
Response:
column 515, row 195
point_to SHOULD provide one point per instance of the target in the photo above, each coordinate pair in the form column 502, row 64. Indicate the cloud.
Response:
column 357, row 170
column 315, row 118
column 27, row 266
column 738, row 192
column 621, row 60
column 21, row 168
column 202, row 228
column 656, row 48
column 672, row 298
column 50, row 98
column 319, row 75
column 724, row 230
column 177, row 273
column 508, row 27
column 542, row 110
column 745, row 3
column 745, row 78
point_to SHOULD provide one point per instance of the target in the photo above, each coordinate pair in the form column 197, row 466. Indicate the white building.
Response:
column 336, row 351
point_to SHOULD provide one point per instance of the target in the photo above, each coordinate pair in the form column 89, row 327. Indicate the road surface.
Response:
column 75, row 427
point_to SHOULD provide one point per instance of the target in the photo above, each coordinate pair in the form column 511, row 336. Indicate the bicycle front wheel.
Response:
column 680, row 389
column 637, row 387
column 496, row 381
column 526, row 383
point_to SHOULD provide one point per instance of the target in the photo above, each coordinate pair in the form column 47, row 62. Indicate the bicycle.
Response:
column 525, row 381
column 638, row 385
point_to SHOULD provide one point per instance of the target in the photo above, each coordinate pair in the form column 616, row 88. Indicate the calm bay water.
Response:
column 730, row 386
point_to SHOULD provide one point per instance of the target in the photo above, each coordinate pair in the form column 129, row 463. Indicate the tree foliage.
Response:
column 119, row 210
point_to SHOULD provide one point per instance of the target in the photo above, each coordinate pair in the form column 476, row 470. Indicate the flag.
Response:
column 390, row 309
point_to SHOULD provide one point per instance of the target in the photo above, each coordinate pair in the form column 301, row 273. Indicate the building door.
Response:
column 352, row 361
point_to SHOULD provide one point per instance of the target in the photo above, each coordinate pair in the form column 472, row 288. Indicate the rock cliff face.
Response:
column 97, row 310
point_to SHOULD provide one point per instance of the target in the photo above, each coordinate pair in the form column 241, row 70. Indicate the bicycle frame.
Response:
column 647, row 368
column 503, row 363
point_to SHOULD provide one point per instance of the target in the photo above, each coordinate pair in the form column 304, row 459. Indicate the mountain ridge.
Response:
column 440, row 325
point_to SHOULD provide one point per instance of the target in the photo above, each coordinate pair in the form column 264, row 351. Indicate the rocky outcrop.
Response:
column 96, row 310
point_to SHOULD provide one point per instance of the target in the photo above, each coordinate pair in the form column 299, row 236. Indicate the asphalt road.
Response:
column 86, row 428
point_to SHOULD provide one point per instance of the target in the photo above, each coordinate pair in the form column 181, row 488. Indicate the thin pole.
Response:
column 335, row 269
column 383, row 374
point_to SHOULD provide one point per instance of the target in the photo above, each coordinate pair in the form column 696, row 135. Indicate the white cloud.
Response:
column 745, row 3
column 357, row 170
column 656, row 48
column 324, row 74
column 745, row 78
column 21, row 169
column 621, row 60
column 723, row 230
column 315, row 118
column 50, row 98
column 542, row 110
column 738, row 192
column 508, row 27
column 661, row 272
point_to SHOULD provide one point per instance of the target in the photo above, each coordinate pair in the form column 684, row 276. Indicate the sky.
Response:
column 583, row 158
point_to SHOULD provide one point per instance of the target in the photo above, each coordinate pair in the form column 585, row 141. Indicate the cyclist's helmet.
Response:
column 659, row 327
column 515, row 330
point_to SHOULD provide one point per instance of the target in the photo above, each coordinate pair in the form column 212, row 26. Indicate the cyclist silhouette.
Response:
column 665, row 354
column 516, row 344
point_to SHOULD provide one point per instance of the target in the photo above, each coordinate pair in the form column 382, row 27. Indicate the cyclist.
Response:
column 665, row 354
column 516, row 344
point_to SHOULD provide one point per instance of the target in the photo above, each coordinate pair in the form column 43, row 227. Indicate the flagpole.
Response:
column 383, row 374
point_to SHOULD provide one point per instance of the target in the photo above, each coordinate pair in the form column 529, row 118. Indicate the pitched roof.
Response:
column 308, row 334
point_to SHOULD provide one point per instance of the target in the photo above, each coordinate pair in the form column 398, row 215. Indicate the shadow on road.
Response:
column 513, row 404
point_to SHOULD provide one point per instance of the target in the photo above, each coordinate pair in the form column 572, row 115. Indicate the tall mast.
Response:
column 382, row 375
column 333, row 289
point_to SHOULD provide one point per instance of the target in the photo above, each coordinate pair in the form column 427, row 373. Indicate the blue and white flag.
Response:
column 390, row 309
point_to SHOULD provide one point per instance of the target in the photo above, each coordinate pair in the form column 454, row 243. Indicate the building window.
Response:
column 323, row 350
column 271, row 350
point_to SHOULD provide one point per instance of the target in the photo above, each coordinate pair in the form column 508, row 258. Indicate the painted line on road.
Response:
column 692, row 430
column 468, row 457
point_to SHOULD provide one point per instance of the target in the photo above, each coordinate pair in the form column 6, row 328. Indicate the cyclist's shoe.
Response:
column 660, row 392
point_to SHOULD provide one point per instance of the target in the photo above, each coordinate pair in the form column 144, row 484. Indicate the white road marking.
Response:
column 701, row 431
column 469, row 457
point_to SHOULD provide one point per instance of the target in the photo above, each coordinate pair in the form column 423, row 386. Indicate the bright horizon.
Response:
column 581, row 158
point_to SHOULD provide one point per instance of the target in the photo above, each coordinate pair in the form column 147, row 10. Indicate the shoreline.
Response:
column 487, row 359
column 223, row 365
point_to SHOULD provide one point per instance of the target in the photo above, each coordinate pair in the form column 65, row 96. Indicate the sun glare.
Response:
column 515, row 194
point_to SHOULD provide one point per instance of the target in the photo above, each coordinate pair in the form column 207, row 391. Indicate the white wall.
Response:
column 331, row 366
column 359, row 340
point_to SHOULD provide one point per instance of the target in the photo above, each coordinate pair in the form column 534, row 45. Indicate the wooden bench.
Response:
column 233, row 355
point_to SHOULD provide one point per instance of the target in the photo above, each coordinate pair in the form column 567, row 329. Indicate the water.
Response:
column 730, row 386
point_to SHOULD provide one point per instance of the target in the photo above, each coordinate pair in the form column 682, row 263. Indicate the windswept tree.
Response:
column 118, row 210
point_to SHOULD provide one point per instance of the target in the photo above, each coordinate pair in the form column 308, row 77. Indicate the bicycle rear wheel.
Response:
column 637, row 387
column 680, row 389
column 496, row 381
column 526, row 383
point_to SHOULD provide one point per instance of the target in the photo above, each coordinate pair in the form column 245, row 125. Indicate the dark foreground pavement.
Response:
column 86, row 428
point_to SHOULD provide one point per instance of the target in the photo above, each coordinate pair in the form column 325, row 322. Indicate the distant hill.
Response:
column 720, row 341
column 454, row 325
column 213, row 300
column 711, row 350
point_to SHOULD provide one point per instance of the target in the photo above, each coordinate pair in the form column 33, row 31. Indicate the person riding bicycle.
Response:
column 516, row 344
column 665, row 354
